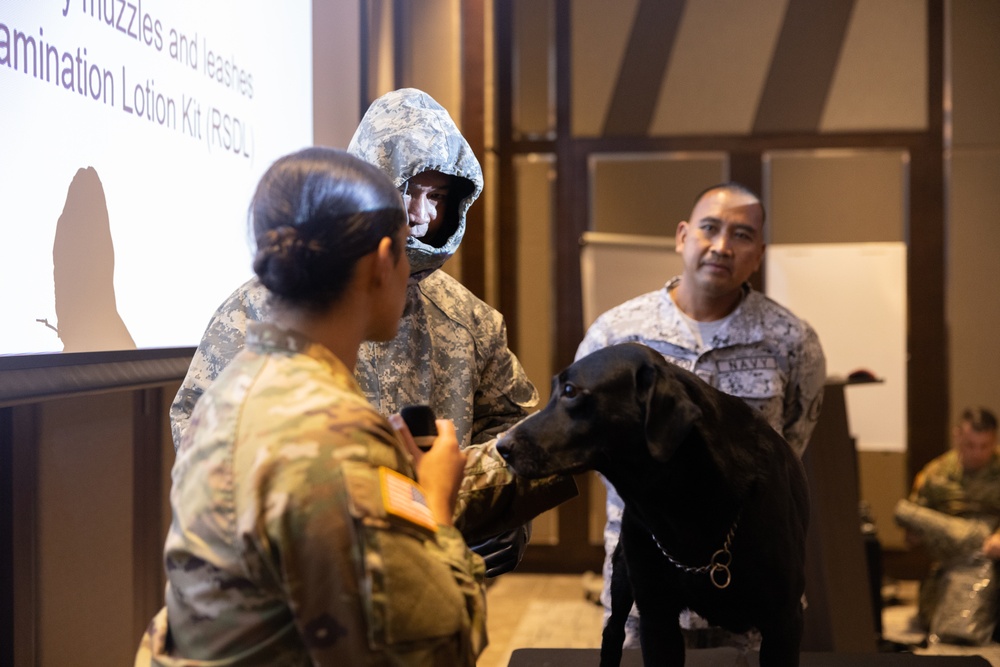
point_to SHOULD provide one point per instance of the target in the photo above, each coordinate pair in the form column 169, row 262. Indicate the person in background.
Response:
column 451, row 350
column 964, row 482
column 709, row 320
column 304, row 528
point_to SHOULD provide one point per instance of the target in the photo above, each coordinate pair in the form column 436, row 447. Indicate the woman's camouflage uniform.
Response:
column 299, row 536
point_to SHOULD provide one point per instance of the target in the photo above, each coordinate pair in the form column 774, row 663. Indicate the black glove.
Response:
column 503, row 552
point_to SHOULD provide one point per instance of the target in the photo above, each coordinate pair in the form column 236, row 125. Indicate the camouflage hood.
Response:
column 406, row 132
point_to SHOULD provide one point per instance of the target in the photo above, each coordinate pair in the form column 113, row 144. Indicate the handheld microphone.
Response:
column 420, row 420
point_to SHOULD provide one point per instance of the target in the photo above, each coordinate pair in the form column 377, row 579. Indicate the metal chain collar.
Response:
column 717, row 568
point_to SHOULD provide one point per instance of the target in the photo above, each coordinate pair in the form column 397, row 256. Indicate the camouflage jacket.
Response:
column 404, row 133
column 450, row 352
column 943, row 485
column 299, row 536
column 493, row 499
column 451, row 349
column 762, row 354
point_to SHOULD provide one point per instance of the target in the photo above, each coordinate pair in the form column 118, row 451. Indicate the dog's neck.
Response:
column 683, row 501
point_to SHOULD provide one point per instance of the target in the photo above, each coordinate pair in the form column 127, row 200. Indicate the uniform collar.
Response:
column 269, row 338
column 744, row 326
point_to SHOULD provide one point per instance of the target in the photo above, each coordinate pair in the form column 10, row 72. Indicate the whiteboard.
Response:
column 854, row 295
column 617, row 267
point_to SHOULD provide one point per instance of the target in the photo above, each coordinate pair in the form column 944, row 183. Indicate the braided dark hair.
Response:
column 315, row 213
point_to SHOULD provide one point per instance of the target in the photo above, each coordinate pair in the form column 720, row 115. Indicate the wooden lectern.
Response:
column 839, row 615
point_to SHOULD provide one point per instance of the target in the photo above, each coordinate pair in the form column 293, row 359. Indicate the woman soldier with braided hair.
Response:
column 305, row 528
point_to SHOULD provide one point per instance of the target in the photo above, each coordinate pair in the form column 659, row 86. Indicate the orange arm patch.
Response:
column 403, row 498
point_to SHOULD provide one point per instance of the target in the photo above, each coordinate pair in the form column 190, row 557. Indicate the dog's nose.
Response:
column 504, row 445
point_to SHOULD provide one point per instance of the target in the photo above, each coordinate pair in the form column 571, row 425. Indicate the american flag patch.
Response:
column 404, row 498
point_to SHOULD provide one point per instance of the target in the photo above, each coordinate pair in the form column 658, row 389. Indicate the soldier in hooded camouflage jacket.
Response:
column 451, row 350
column 735, row 339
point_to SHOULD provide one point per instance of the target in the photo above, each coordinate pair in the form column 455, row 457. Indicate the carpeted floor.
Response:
column 538, row 611
column 542, row 611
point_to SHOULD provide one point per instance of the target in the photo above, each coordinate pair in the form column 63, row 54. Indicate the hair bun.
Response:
column 314, row 214
column 278, row 262
column 279, row 241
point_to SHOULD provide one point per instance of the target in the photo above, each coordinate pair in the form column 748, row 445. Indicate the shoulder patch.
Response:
column 403, row 498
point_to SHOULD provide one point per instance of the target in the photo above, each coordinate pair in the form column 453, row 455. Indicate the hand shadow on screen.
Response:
column 83, row 258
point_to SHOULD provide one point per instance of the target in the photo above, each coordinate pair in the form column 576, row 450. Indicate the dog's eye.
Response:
column 570, row 390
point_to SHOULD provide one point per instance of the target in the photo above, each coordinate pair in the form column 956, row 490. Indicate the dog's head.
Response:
column 621, row 402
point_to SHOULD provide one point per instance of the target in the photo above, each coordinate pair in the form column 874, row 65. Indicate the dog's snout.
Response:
column 504, row 446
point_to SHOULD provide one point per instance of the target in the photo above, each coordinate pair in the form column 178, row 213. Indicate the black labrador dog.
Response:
column 716, row 503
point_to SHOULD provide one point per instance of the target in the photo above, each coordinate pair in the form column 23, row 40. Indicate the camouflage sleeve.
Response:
column 804, row 394
column 469, row 572
column 493, row 499
column 918, row 490
column 595, row 339
column 504, row 395
column 222, row 340
column 930, row 486
column 365, row 569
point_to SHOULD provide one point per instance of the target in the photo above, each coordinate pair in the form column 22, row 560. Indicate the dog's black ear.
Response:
column 670, row 414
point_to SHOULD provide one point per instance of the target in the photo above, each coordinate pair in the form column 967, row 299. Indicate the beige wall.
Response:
column 336, row 77
column 973, row 286
column 85, row 586
column 718, row 67
column 85, row 531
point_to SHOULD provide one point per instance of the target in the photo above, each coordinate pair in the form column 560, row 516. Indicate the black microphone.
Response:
column 420, row 420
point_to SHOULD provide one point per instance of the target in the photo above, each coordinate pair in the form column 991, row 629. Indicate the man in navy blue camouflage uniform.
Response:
column 710, row 321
